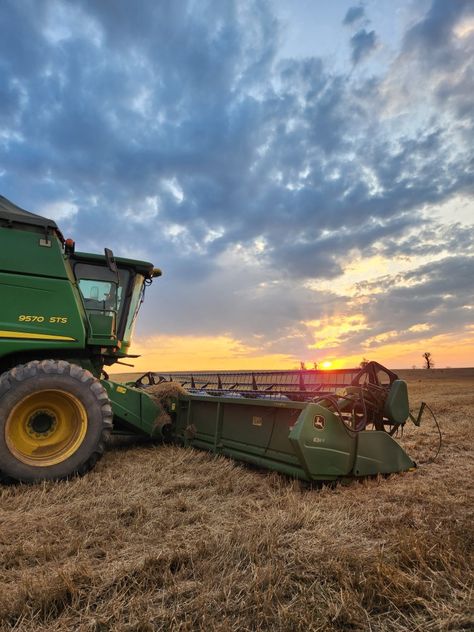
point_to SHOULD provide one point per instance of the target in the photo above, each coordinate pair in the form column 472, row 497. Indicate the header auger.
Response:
column 66, row 315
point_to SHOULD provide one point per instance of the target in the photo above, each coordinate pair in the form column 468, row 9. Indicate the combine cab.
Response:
column 65, row 316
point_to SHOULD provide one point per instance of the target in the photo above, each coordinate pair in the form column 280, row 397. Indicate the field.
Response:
column 167, row 538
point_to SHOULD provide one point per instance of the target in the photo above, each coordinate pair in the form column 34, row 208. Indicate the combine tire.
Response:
column 54, row 420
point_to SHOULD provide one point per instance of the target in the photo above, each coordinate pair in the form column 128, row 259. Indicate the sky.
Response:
column 302, row 171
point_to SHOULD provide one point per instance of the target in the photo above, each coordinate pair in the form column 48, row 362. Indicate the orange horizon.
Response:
column 206, row 353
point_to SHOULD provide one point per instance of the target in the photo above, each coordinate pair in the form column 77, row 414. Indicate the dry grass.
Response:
column 164, row 538
column 163, row 394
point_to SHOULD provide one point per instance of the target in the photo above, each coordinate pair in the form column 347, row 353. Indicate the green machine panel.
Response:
column 324, row 445
column 302, row 439
column 41, row 310
column 133, row 407
column 34, row 252
column 378, row 452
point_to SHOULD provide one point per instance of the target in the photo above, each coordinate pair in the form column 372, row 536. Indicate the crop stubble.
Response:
column 167, row 538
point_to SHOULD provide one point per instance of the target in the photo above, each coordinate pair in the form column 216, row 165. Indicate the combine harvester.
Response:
column 65, row 315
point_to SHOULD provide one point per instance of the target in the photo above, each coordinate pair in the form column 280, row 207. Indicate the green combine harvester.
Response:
column 66, row 315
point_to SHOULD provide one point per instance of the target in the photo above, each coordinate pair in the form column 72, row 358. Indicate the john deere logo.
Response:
column 318, row 422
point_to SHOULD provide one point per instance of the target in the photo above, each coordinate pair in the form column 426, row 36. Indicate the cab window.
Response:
column 100, row 288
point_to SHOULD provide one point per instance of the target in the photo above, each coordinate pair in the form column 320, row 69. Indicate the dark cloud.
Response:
column 435, row 29
column 436, row 57
column 438, row 294
column 354, row 14
column 172, row 133
column 362, row 44
column 430, row 240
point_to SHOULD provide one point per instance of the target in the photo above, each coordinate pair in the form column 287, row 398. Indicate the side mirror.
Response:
column 111, row 264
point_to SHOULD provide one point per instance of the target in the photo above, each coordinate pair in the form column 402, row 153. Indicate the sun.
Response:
column 326, row 365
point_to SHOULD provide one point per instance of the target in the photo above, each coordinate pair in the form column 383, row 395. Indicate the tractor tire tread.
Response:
column 35, row 368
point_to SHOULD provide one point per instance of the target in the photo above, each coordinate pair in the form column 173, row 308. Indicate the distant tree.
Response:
column 302, row 365
column 428, row 358
column 363, row 363
column 413, row 366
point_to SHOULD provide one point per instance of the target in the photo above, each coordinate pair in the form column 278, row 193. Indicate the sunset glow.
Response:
column 163, row 353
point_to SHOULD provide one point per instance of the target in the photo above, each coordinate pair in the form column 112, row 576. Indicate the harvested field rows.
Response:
column 167, row 538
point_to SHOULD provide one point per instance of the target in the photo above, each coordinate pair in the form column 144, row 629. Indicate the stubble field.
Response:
column 168, row 538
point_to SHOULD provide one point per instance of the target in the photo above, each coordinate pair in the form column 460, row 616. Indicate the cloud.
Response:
column 362, row 44
column 423, row 302
column 434, row 64
column 436, row 28
column 60, row 210
column 354, row 14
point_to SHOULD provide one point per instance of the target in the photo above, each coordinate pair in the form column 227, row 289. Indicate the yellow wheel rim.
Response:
column 46, row 427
